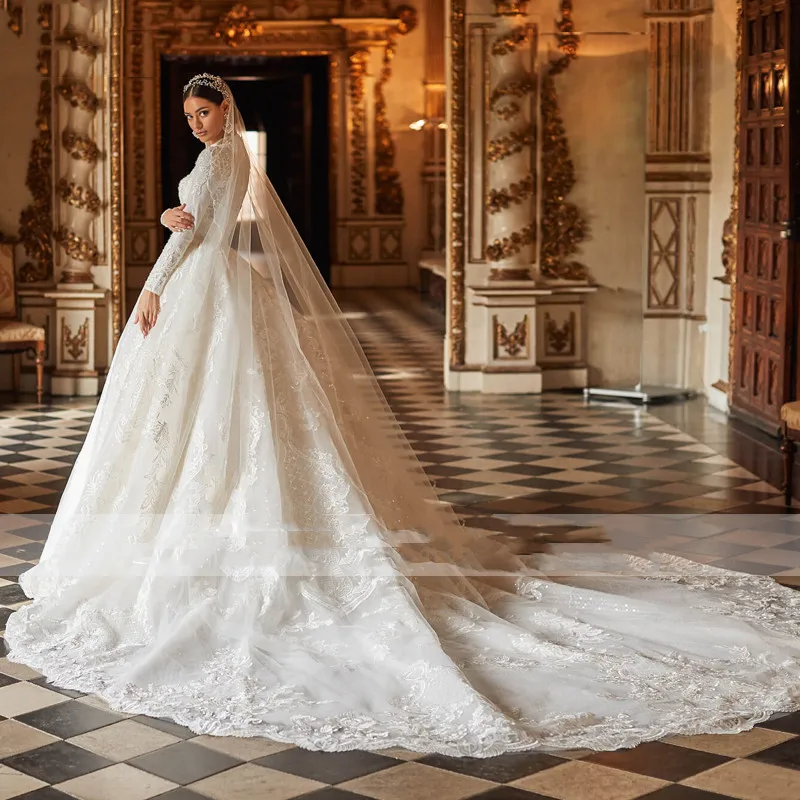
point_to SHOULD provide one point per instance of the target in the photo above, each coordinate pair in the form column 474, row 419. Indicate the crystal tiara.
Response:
column 206, row 79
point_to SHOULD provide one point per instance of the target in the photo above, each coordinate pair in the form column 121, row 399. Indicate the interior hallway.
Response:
column 547, row 461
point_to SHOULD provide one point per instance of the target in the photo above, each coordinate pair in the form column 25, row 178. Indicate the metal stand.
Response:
column 641, row 393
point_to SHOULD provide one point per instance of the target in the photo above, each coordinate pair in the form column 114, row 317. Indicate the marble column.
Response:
column 81, row 27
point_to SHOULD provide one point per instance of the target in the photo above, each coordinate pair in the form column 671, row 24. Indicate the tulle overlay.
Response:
column 235, row 550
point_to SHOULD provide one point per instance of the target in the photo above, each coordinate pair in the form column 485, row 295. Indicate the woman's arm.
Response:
column 179, row 244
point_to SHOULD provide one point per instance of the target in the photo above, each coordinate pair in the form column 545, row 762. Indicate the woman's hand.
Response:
column 176, row 219
column 147, row 311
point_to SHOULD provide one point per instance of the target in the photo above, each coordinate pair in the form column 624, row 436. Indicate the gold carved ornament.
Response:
column 513, row 343
column 79, row 43
column 508, row 246
column 78, row 95
column 75, row 345
column 505, row 146
column 81, row 148
column 564, row 226
column 510, row 8
column 237, row 26
column 36, row 219
column 501, row 199
column 559, row 339
column 76, row 247
column 733, row 219
column 82, row 197
column 357, row 62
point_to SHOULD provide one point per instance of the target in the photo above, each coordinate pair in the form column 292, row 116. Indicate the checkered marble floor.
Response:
column 651, row 481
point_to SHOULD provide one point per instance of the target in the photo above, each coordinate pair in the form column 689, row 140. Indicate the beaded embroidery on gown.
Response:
column 239, row 548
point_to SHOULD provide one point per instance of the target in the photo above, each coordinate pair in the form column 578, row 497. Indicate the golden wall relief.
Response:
column 564, row 225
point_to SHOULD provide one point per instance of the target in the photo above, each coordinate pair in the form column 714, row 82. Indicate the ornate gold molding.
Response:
column 733, row 219
column 510, row 8
column 357, row 63
column 238, row 26
column 115, row 52
column 564, row 226
column 36, row 219
column 457, row 134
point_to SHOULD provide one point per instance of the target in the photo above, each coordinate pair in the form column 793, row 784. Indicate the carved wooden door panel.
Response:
column 766, row 327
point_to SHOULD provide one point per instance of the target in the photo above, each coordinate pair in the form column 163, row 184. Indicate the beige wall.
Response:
column 723, row 91
column 603, row 97
column 603, row 102
column 21, row 80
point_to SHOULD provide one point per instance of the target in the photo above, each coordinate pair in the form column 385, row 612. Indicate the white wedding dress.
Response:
column 320, row 632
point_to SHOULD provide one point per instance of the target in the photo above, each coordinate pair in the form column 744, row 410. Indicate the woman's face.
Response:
column 205, row 118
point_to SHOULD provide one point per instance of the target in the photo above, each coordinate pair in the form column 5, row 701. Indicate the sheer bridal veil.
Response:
column 350, row 483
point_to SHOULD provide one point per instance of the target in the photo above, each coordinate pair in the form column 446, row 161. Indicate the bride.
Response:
column 248, row 545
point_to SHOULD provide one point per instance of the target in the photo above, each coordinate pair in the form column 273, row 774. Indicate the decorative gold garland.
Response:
column 515, row 142
column 517, row 88
column 501, row 199
column 508, row 246
column 508, row 112
column 388, row 189
column 358, row 134
column 79, row 43
column 79, row 95
column 75, row 247
column 82, row 197
column 36, row 219
column 518, row 37
column 81, row 148
column 563, row 225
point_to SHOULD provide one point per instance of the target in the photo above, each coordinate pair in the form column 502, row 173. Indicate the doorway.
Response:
column 765, row 355
column 284, row 102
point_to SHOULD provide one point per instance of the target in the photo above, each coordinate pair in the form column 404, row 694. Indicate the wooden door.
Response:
column 766, row 326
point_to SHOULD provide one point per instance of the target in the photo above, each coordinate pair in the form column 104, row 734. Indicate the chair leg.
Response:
column 40, row 347
column 788, row 448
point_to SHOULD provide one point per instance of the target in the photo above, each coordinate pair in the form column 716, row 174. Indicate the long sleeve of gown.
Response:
column 212, row 165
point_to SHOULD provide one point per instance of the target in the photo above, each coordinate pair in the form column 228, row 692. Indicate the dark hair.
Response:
column 206, row 92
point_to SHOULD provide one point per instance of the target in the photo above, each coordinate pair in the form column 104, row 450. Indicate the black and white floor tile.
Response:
column 677, row 479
